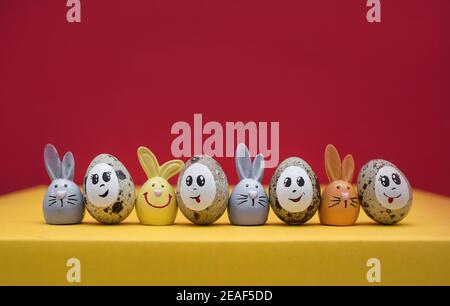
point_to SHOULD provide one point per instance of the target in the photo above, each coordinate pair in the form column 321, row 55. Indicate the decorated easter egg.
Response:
column 108, row 190
column 384, row 192
column 294, row 191
column 156, row 203
column 202, row 190
column 63, row 202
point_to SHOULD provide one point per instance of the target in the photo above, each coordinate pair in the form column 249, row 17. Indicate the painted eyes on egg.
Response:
column 153, row 185
column 384, row 180
column 247, row 185
column 200, row 180
column 94, row 178
column 288, row 182
column 339, row 187
column 106, row 176
column 56, row 186
column 395, row 178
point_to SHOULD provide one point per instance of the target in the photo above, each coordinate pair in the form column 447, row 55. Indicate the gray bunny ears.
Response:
column 56, row 169
column 244, row 166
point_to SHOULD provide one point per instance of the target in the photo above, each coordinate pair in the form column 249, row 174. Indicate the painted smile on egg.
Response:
column 156, row 206
column 391, row 199
column 296, row 199
column 105, row 194
column 197, row 198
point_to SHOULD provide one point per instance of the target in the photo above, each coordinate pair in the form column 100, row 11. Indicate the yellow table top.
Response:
column 415, row 251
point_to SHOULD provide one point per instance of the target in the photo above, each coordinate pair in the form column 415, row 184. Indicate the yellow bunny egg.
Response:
column 156, row 202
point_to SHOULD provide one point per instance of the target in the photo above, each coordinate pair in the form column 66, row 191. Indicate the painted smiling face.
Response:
column 384, row 192
column 102, row 185
column 198, row 187
column 108, row 190
column 157, row 193
column 391, row 188
column 202, row 190
column 294, row 191
column 156, row 203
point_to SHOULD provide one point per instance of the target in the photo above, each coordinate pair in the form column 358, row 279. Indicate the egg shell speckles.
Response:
column 213, row 212
column 121, row 208
column 294, row 217
column 368, row 199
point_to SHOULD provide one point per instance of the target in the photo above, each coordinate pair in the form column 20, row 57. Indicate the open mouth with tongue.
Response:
column 391, row 199
column 197, row 199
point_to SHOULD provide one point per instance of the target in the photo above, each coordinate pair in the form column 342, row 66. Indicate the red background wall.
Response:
column 131, row 69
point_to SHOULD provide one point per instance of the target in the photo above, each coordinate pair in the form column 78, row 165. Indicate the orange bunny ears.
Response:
column 337, row 170
column 152, row 168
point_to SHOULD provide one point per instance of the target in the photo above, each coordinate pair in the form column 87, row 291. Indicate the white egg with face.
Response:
column 102, row 185
column 294, row 189
column 202, row 190
column 108, row 190
column 384, row 192
column 391, row 188
column 198, row 187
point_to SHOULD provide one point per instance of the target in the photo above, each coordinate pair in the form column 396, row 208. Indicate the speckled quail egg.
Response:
column 294, row 191
column 384, row 192
column 108, row 190
column 202, row 190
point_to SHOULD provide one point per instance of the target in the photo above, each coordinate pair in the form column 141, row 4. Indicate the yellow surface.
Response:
column 416, row 251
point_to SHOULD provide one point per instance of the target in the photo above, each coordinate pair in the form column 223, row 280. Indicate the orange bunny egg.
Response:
column 340, row 204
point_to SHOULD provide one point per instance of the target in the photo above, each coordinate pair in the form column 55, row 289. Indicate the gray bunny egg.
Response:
column 109, row 190
column 384, row 192
column 294, row 191
column 202, row 190
column 63, row 201
column 249, row 204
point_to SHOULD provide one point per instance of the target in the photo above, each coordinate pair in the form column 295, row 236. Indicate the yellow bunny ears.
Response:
column 152, row 168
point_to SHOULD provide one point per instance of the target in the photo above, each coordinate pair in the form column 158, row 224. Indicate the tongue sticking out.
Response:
column 390, row 200
column 197, row 199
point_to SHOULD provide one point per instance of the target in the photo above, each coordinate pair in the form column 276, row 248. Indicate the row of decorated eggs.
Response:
column 202, row 192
